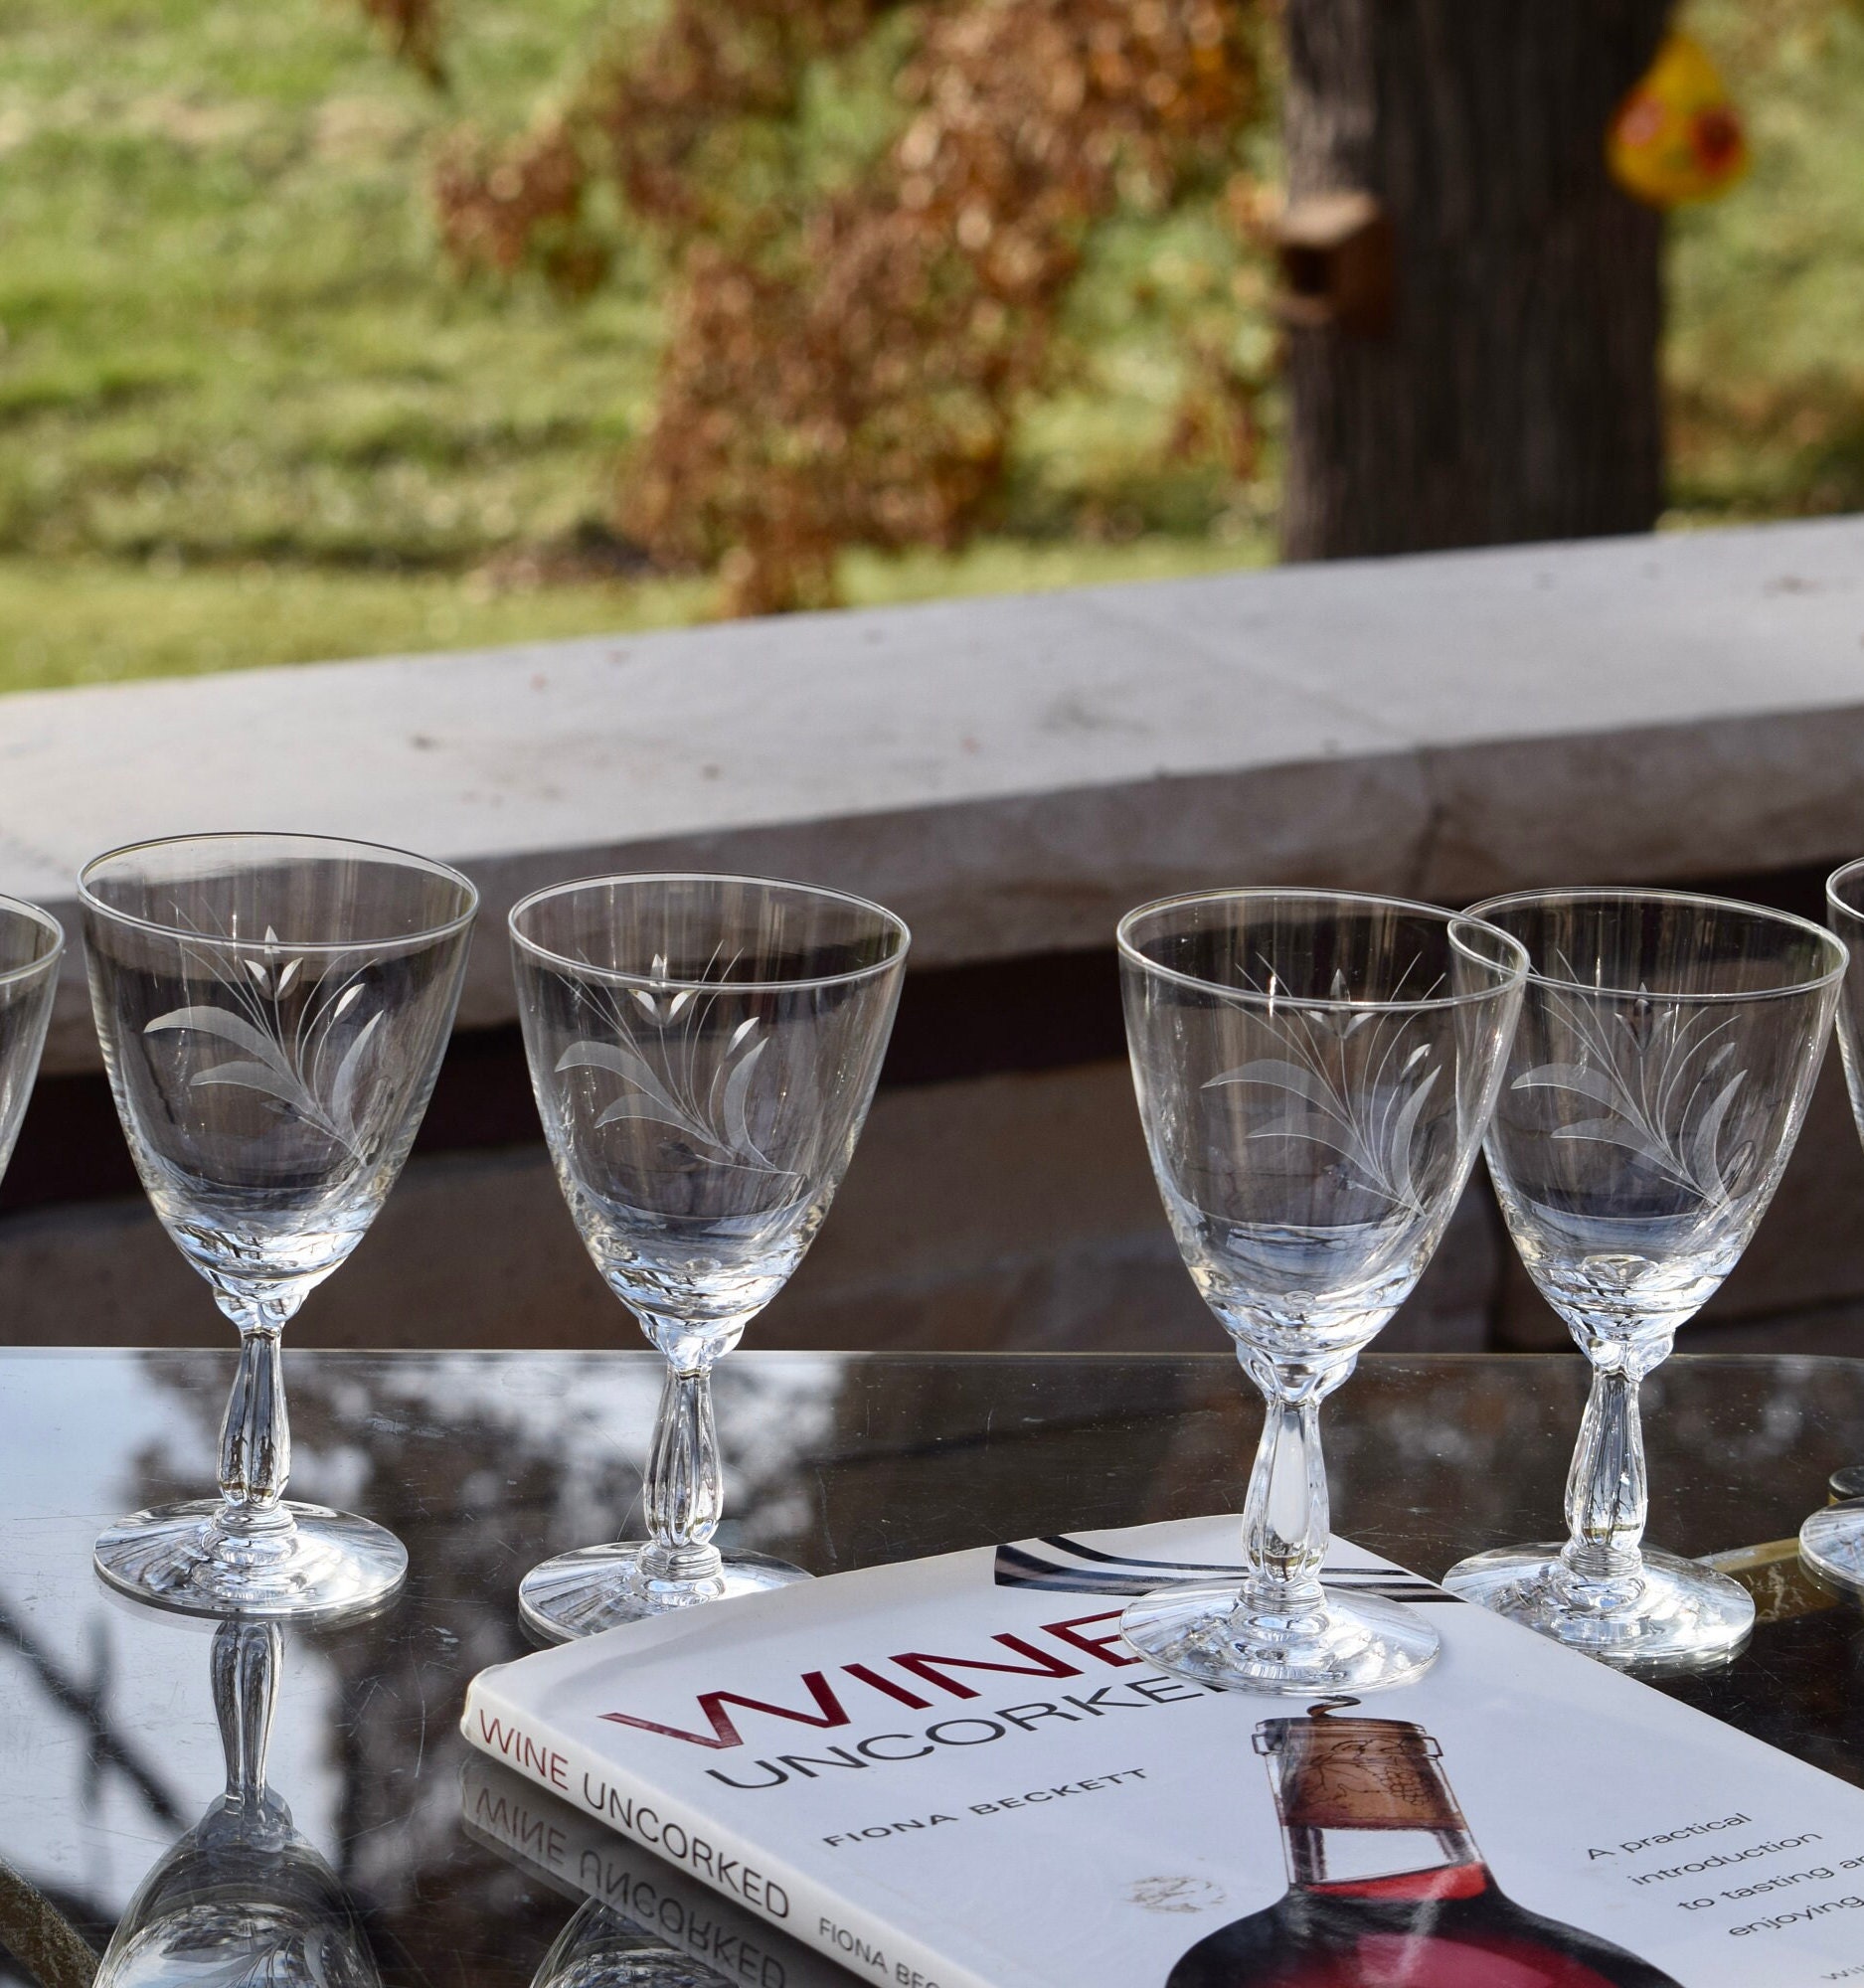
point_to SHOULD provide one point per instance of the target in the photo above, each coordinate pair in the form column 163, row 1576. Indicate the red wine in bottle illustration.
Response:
column 1385, row 1887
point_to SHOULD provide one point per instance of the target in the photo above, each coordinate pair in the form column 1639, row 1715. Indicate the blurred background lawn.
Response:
column 249, row 414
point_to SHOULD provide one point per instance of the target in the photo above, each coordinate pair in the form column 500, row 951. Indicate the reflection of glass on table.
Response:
column 244, row 1896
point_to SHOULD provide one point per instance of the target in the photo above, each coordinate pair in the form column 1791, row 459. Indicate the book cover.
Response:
column 951, row 1773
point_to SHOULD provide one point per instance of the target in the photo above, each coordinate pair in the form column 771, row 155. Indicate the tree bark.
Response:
column 1514, row 394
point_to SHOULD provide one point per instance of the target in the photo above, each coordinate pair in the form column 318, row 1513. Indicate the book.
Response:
column 950, row 1773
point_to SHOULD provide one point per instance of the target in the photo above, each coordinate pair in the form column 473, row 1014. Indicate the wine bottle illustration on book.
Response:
column 1385, row 1887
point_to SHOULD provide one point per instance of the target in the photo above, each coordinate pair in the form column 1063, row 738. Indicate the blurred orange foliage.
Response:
column 844, row 367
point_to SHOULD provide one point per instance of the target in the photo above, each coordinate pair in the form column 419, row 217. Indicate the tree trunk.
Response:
column 1512, row 394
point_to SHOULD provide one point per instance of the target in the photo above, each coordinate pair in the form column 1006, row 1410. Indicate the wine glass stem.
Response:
column 244, row 1671
column 255, row 1433
column 685, row 1488
column 1285, row 1520
column 1608, row 1491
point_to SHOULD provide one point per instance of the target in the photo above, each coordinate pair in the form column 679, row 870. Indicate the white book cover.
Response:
column 950, row 1773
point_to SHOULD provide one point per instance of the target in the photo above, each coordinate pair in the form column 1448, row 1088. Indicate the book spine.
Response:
column 709, row 1851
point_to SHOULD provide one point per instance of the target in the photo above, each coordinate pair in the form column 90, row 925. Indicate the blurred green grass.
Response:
column 248, row 416
column 228, row 336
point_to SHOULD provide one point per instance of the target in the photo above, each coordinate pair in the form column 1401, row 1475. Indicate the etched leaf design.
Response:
column 713, row 1112
column 1701, row 1150
column 349, row 1074
column 1283, row 1077
column 652, row 1111
column 285, row 1059
column 230, row 1028
column 736, row 1091
column 654, row 1101
column 1307, row 1126
column 1364, row 1125
column 1575, row 1076
column 1403, row 1131
column 289, row 1075
column 258, row 1076
column 1652, row 1072
column 1614, row 1132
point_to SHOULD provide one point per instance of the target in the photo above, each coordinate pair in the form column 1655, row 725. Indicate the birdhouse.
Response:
column 1336, row 259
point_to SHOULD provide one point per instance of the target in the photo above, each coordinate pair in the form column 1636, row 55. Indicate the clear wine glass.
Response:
column 30, row 942
column 244, row 1897
column 1668, row 1049
column 1314, row 1071
column 1832, row 1540
column 703, row 1050
column 272, row 1011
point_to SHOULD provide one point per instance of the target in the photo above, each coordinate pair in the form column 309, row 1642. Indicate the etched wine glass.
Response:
column 1666, row 1052
column 1832, row 1539
column 703, row 1050
column 272, row 1011
column 243, row 1899
column 30, row 942
column 1314, row 1071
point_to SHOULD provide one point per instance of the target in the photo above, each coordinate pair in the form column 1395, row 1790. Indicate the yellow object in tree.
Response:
column 1677, row 136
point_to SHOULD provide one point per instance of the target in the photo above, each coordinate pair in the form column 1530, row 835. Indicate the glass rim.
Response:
column 1513, row 975
column 389, row 943
column 621, row 976
column 48, row 961
column 1827, row 942
column 1854, row 868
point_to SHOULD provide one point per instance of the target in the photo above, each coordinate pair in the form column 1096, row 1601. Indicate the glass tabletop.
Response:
column 483, row 1463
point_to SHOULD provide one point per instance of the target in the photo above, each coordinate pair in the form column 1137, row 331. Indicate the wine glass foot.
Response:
column 1204, row 1633
column 324, row 1564
column 1831, row 1544
column 1678, row 1614
column 596, row 1587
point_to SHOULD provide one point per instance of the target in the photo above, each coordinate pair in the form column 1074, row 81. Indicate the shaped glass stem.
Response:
column 256, row 1431
column 684, row 1491
column 1286, row 1521
column 244, row 1668
column 1607, row 1490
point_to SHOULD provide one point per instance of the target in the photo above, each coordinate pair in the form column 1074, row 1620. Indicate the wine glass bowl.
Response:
column 1665, row 1056
column 272, row 1011
column 702, row 1051
column 1313, row 1071
column 1832, row 1541
column 31, row 944
column 600, row 1947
